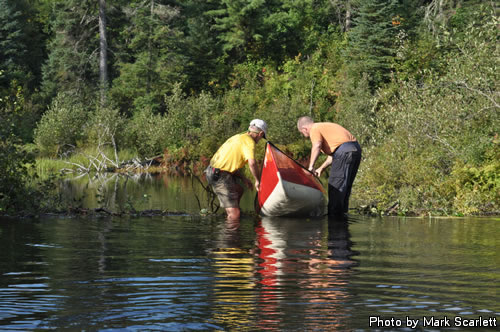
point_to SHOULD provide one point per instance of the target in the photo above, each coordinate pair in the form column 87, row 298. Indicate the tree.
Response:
column 238, row 23
column 21, row 53
column 203, row 66
column 13, row 158
column 153, row 62
column 72, row 62
column 372, row 39
column 274, row 30
column 343, row 9
column 13, row 48
column 103, row 46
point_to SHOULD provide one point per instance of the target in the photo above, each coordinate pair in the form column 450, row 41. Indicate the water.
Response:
column 188, row 272
column 140, row 192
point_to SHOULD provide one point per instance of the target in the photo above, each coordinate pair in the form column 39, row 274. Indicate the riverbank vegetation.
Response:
column 90, row 85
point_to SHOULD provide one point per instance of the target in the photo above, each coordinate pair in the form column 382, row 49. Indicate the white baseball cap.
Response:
column 261, row 124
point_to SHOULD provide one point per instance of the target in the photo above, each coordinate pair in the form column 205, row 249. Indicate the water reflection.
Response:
column 182, row 273
column 125, row 192
column 303, row 261
column 233, row 284
column 294, row 263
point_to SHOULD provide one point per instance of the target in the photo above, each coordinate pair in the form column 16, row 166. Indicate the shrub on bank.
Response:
column 21, row 191
column 105, row 127
column 146, row 132
column 61, row 128
column 476, row 189
column 436, row 147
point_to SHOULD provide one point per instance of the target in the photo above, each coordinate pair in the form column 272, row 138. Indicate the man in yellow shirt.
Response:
column 344, row 155
column 223, row 172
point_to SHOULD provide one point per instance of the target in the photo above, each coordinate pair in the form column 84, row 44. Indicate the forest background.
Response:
column 416, row 81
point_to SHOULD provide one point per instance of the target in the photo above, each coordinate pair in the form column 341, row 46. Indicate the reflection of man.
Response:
column 344, row 156
column 339, row 243
column 223, row 172
column 233, row 277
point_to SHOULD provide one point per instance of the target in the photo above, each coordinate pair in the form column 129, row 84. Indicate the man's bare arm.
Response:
column 255, row 172
column 315, row 151
column 327, row 163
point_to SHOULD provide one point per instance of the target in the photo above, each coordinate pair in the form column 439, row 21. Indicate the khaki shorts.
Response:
column 227, row 189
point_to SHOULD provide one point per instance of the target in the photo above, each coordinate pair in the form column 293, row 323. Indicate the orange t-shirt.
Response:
column 331, row 135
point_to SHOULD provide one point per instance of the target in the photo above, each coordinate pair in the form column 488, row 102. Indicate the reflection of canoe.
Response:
column 287, row 188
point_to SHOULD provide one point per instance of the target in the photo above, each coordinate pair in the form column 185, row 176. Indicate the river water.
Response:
column 190, row 272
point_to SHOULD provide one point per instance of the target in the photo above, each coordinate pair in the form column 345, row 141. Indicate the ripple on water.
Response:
column 188, row 274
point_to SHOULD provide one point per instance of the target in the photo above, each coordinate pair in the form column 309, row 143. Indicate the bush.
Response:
column 432, row 139
column 189, row 119
column 477, row 189
column 105, row 126
column 14, row 175
column 146, row 132
column 356, row 108
column 15, row 161
column 62, row 126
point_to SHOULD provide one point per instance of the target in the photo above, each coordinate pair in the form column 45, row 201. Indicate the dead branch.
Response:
column 465, row 85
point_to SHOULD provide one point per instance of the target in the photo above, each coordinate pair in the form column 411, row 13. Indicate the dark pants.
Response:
column 344, row 168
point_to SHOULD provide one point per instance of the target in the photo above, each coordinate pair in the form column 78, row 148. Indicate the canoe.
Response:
column 287, row 188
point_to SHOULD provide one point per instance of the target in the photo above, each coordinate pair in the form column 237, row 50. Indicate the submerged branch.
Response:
column 211, row 196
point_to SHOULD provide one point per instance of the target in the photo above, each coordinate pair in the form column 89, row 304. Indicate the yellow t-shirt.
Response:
column 234, row 153
column 331, row 135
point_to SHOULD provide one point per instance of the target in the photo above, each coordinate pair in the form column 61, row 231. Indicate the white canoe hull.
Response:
column 290, row 198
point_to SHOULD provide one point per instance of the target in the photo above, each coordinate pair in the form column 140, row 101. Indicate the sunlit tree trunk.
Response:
column 103, row 58
column 344, row 13
column 348, row 21
column 150, row 50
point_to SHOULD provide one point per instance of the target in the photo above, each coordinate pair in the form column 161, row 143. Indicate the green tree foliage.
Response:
column 146, row 133
column 14, row 160
column 239, row 23
column 73, row 50
column 200, row 45
column 271, row 30
column 105, row 126
column 196, row 122
column 153, row 63
column 21, row 45
column 294, row 27
column 438, row 140
column 372, row 39
column 12, row 46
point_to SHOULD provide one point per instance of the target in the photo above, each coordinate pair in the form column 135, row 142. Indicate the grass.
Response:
column 54, row 165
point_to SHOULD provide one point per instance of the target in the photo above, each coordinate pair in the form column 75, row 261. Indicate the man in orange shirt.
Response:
column 344, row 156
